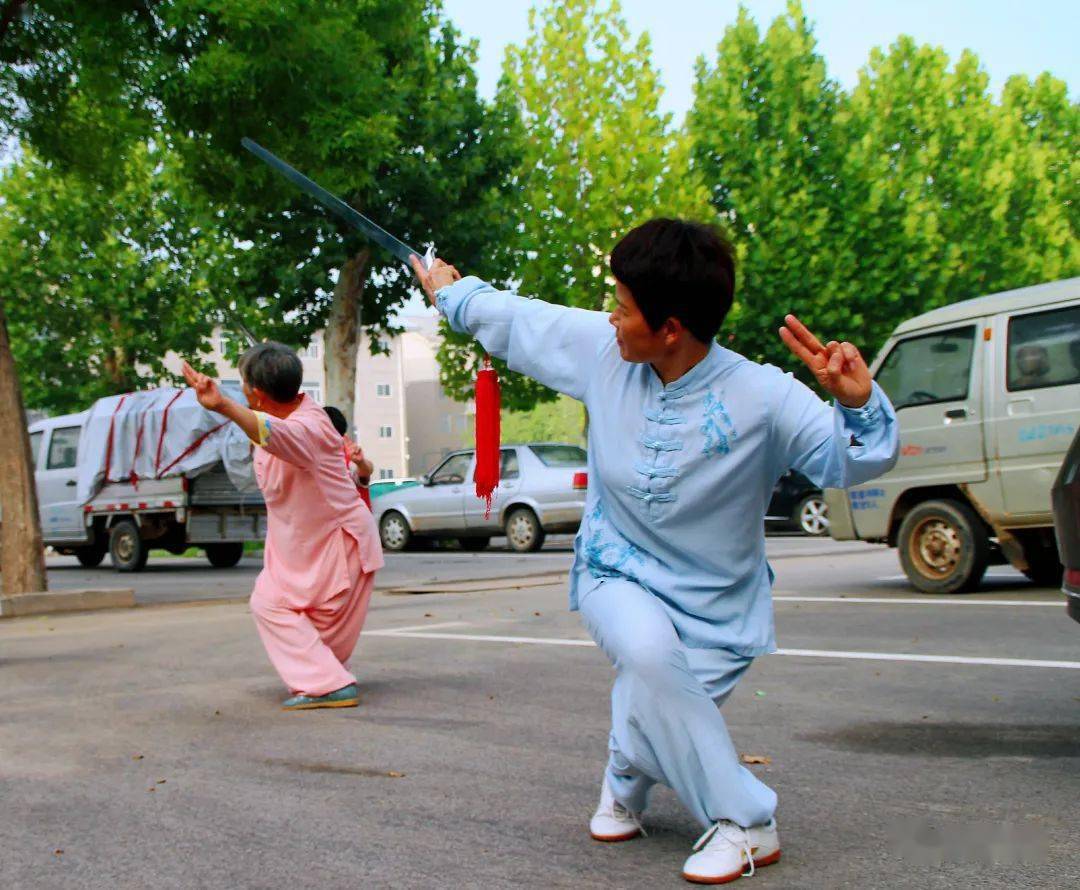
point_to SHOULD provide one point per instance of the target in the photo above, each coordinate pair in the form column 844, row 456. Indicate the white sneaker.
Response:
column 612, row 821
column 726, row 852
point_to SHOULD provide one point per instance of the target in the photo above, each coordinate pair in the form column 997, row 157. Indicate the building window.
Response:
column 386, row 474
column 447, row 423
column 382, row 389
column 222, row 343
column 311, row 350
column 386, row 432
column 314, row 390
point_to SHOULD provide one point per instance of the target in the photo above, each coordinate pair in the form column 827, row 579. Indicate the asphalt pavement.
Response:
column 914, row 742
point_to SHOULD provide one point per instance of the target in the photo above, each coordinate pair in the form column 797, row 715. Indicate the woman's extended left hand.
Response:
column 838, row 367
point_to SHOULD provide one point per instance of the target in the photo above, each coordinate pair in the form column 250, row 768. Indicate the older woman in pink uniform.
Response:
column 322, row 547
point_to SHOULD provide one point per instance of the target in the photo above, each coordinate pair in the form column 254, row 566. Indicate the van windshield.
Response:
column 927, row 369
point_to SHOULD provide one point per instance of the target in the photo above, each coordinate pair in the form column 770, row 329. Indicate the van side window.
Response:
column 35, row 447
column 929, row 368
column 1044, row 349
column 63, row 448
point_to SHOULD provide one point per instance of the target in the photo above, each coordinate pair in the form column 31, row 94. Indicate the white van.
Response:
column 987, row 393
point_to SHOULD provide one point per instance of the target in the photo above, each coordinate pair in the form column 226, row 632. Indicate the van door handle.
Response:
column 956, row 413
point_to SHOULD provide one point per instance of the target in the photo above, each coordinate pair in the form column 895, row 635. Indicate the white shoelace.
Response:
column 732, row 834
column 622, row 813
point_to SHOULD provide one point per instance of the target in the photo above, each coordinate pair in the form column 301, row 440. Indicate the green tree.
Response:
column 762, row 131
column 599, row 158
column 99, row 284
column 375, row 99
column 559, row 421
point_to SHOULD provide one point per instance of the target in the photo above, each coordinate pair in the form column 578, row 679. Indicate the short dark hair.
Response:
column 337, row 418
column 678, row 269
column 274, row 368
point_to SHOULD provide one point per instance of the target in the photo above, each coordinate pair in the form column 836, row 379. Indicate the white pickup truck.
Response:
column 127, row 513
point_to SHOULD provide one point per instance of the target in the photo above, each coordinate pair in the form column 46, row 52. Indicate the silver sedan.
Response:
column 541, row 490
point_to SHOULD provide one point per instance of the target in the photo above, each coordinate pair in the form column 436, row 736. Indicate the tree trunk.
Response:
column 342, row 335
column 22, row 556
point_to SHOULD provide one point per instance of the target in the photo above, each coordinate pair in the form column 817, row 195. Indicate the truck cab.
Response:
column 987, row 394
column 54, row 448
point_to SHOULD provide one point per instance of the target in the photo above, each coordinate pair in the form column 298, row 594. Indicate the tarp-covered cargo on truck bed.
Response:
column 160, row 433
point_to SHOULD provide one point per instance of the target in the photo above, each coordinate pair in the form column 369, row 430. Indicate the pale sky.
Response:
column 1009, row 36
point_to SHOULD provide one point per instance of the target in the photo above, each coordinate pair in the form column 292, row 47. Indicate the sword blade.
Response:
column 334, row 204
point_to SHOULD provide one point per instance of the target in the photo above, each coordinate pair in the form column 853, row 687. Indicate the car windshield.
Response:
column 560, row 455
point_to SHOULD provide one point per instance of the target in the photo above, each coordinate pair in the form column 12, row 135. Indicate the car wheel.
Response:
column 474, row 545
column 224, row 556
column 127, row 549
column 944, row 547
column 524, row 533
column 812, row 515
column 394, row 531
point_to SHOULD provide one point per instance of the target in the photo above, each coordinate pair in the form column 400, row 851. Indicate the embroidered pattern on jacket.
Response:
column 608, row 558
column 717, row 427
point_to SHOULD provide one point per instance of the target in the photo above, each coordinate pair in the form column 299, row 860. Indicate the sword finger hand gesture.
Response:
column 206, row 389
column 838, row 367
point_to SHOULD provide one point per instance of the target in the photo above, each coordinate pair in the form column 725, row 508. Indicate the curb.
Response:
column 48, row 602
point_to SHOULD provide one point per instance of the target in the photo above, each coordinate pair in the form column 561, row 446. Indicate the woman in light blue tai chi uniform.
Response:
column 686, row 441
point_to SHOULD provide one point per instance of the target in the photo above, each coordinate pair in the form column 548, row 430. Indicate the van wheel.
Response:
column 943, row 547
column 523, row 531
column 394, row 531
column 224, row 556
column 127, row 549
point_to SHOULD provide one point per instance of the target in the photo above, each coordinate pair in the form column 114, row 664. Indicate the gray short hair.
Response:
column 274, row 368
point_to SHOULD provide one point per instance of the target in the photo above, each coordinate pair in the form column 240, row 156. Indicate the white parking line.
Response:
column 798, row 653
column 397, row 630
column 915, row 601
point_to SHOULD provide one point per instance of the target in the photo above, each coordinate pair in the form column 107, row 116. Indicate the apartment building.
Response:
column 402, row 419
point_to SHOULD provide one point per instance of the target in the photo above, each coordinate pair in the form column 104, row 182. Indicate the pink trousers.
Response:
column 309, row 645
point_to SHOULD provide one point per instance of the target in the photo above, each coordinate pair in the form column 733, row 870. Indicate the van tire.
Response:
column 944, row 547
column 127, row 549
column 225, row 555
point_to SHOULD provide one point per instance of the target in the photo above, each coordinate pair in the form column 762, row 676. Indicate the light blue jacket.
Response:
column 680, row 476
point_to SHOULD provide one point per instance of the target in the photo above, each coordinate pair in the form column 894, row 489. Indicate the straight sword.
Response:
column 335, row 205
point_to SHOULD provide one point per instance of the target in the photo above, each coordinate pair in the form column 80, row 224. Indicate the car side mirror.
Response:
column 425, row 480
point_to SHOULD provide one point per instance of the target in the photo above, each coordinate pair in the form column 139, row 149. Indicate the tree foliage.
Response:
column 599, row 158
column 100, row 282
column 856, row 210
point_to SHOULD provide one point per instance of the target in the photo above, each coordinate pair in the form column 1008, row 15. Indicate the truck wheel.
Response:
column 1044, row 564
column 812, row 515
column 943, row 547
column 127, row 549
column 523, row 531
column 92, row 555
column 394, row 531
column 224, row 556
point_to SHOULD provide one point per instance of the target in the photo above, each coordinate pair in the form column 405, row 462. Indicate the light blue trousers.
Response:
column 666, row 724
